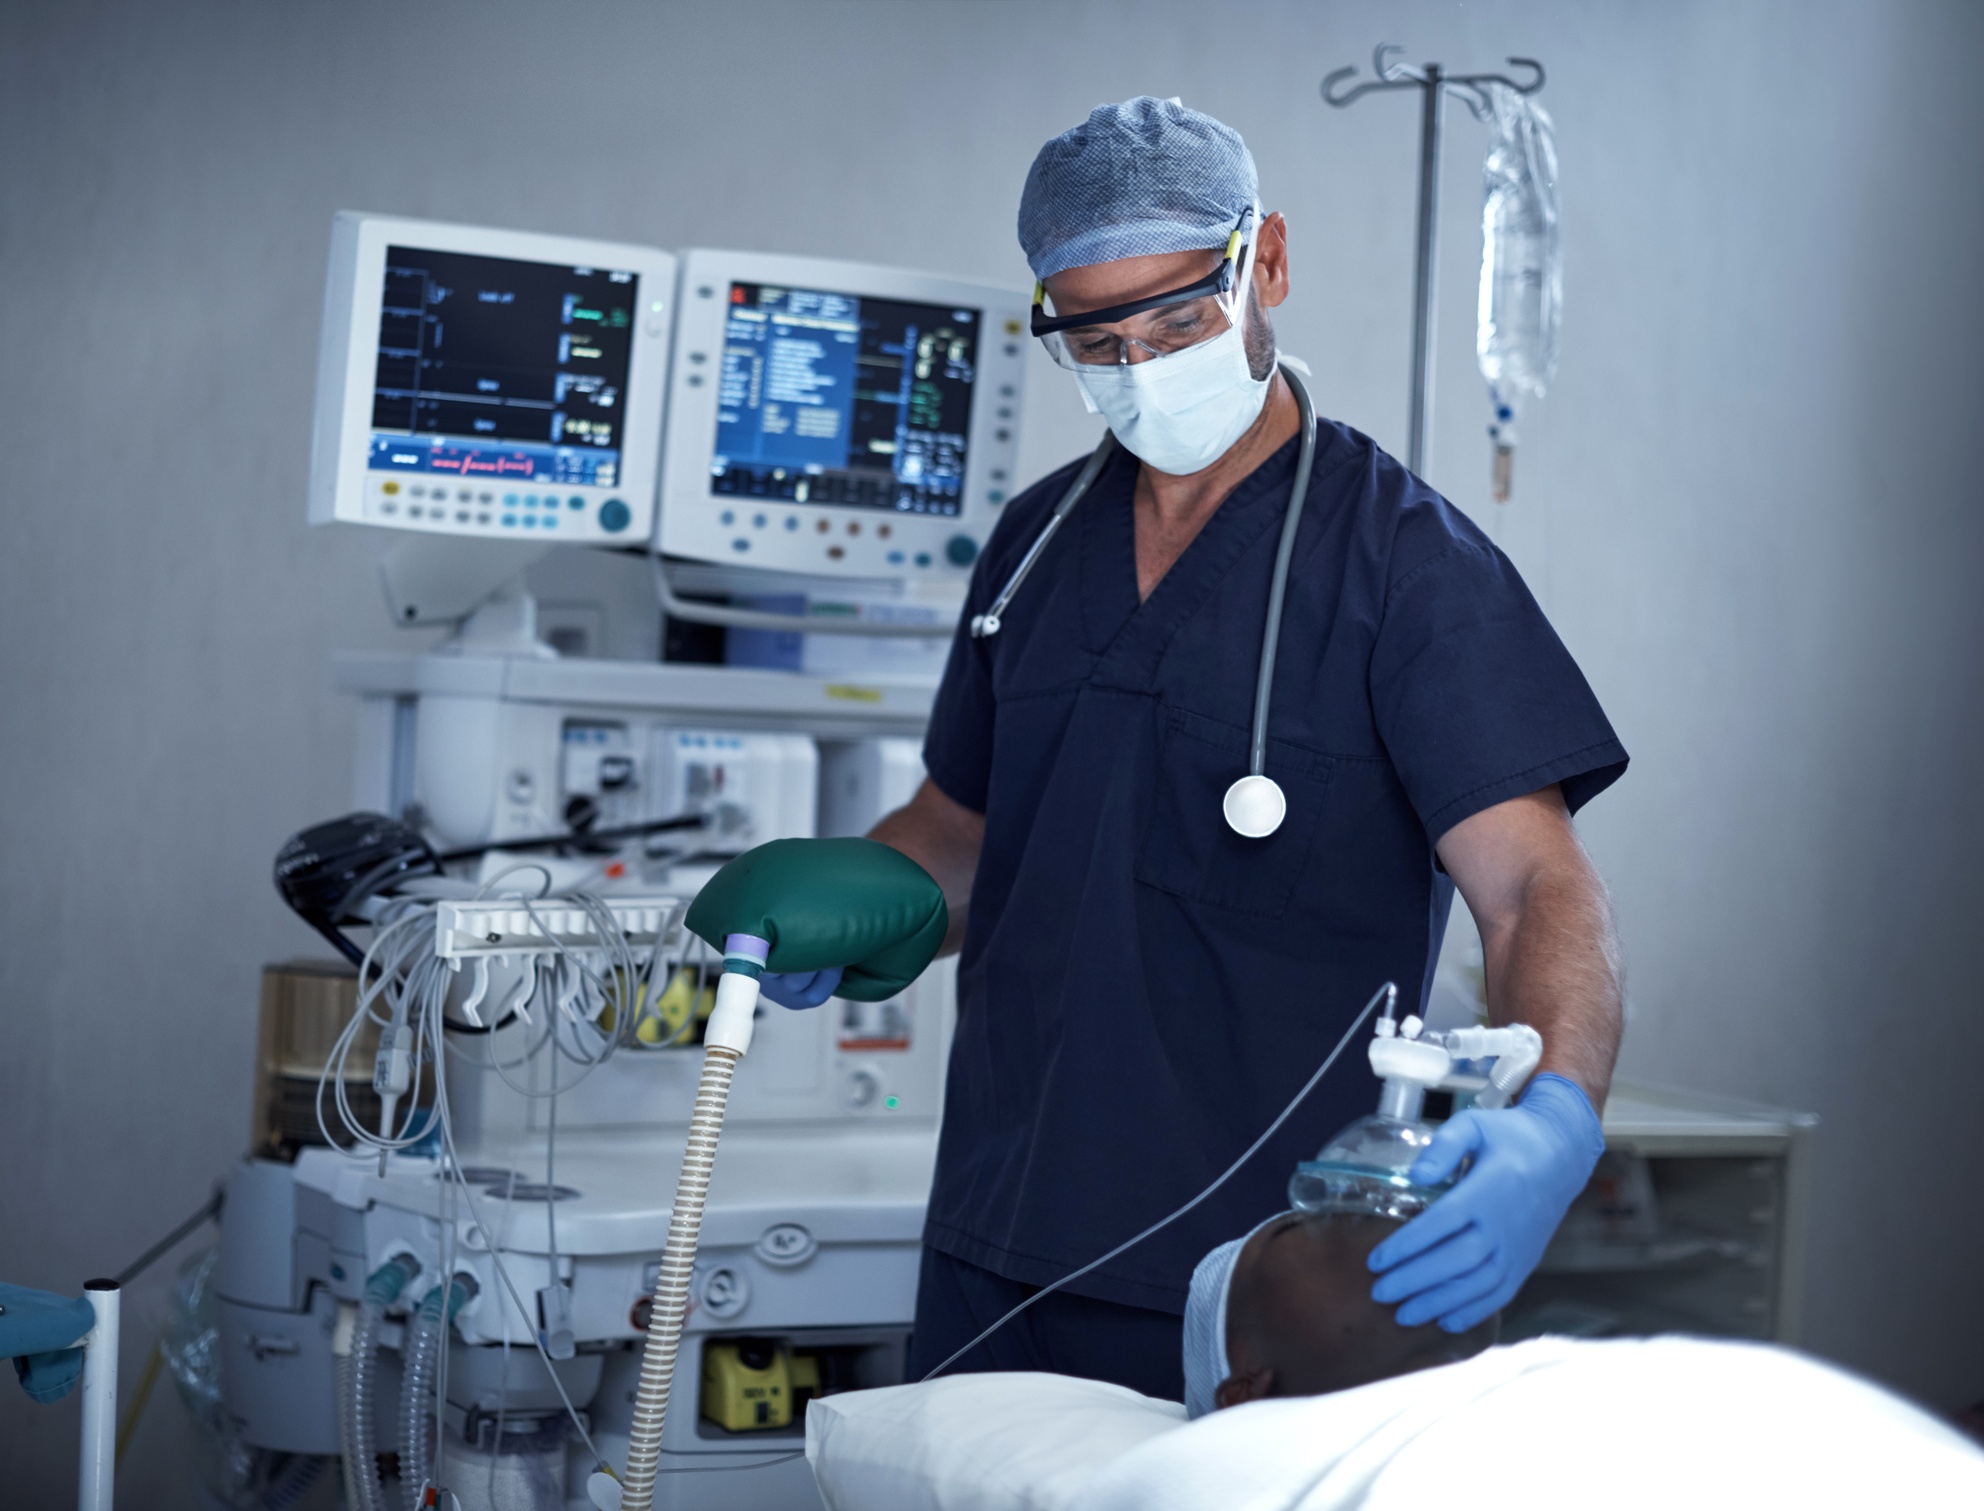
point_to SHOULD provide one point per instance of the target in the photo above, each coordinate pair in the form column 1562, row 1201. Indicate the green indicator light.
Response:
column 892, row 1103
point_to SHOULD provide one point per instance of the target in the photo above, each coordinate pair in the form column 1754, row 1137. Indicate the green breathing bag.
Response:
column 855, row 903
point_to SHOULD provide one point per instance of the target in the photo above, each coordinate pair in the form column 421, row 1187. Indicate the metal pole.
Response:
column 97, row 1483
column 1425, row 293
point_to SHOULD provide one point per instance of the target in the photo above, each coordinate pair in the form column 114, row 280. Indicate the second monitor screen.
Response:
column 831, row 399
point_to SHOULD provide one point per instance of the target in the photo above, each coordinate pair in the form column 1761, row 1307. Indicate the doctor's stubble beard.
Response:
column 1258, row 339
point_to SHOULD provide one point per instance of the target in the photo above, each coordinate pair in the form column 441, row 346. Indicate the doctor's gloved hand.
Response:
column 1468, row 1254
column 799, row 988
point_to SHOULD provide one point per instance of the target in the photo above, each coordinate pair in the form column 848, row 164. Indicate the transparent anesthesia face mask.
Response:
column 1367, row 1167
column 1363, row 1170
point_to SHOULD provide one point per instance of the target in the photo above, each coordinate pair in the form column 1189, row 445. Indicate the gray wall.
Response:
column 1750, row 505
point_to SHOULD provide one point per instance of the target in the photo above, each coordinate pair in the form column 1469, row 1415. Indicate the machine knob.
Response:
column 787, row 1243
column 863, row 1087
column 615, row 516
column 725, row 1292
column 962, row 550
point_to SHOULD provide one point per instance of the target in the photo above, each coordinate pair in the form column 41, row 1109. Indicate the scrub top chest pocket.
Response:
column 1191, row 852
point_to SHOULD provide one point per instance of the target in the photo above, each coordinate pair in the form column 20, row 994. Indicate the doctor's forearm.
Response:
column 943, row 837
column 1553, row 963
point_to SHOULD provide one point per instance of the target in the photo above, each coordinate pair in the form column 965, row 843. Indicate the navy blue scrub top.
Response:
column 1141, row 989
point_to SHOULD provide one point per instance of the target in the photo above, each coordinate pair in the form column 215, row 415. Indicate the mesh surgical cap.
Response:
column 1134, row 179
column 1206, row 1366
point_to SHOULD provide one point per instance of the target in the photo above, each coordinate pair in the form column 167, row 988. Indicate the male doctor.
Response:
column 1142, row 987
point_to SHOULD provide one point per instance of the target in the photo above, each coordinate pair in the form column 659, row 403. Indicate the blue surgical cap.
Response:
column 1134, row 179
column 1206, row 1365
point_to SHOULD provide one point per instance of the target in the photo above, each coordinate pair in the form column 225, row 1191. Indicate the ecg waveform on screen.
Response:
column 501, row 368
column 481, row 463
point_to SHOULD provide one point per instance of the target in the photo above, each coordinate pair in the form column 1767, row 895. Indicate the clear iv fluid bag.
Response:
column 1522, row 269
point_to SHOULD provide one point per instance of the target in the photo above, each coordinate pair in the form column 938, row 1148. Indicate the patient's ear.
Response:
column 1239, row 1389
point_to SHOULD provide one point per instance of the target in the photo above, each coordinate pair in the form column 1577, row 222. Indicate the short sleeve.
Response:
column 957, row 749
column 1476, row 698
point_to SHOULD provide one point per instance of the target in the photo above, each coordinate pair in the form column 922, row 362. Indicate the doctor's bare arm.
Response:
column 1547, row 940
column 944, row 838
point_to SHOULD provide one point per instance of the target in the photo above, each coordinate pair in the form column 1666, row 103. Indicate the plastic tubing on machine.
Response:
column 724, row 1044
column 357, row 1380
column 426, row 1334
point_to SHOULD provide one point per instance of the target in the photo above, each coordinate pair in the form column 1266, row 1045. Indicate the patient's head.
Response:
column 1300, row 1320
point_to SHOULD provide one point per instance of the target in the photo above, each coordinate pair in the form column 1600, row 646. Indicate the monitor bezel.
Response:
column 348, row 361
column 689, row 510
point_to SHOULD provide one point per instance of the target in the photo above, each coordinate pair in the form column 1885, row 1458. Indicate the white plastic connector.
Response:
column 735, row 1014
column 1416, row 1060
column 392, row 1066
column 468, row 930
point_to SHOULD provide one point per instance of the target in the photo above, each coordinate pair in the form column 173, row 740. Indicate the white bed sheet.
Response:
column 1550, row 1425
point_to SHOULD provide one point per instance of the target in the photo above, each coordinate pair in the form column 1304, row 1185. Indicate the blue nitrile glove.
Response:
column 37, row 1329
column 799, row 988
column 1468, row 1254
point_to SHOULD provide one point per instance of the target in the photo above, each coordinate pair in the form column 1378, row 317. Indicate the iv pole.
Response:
column 1433, row 82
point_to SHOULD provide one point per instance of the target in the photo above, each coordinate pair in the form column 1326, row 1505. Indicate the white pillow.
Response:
column 979, row 1442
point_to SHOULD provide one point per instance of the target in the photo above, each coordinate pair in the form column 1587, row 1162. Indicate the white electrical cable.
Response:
column 404, row 986
column 1388, row 989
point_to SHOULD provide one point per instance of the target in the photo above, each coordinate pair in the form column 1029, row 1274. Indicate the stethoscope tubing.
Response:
column 1291, row 523
column 990, row 622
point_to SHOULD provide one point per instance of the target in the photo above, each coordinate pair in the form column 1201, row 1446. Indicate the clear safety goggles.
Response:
column 1156, row 326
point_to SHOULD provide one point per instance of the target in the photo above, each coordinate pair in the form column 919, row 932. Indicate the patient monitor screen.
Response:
column 827, row 398
column 500, row 370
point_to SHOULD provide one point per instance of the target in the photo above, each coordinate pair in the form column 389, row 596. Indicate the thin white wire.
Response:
column 1165, row 1222
column 404, row 985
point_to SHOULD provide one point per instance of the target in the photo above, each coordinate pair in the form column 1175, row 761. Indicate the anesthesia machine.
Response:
column 442, row 1262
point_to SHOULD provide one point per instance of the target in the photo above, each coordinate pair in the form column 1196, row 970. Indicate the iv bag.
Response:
column 1522, row 269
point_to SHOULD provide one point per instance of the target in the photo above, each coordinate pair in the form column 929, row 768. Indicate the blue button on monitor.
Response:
column 740, row 544
column 530, row 521
column 792, row 522
column 923, row 558
column 509, row 501
column 575, row 502
column 895, row 558
column 530, row 500
column 615, row 516
column 509, row 521
column 961, row 550
column 550, row 521
column 728, row 517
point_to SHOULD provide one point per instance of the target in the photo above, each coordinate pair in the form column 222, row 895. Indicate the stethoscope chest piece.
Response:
column 1254, row 806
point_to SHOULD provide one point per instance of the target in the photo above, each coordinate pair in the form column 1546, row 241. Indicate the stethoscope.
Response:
column 1254, row 805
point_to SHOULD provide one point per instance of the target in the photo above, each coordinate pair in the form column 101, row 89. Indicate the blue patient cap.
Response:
column 1134, row 179
column 1205, row 1321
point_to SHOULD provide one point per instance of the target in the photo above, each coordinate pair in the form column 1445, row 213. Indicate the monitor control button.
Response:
column 961, row 550
column 615, row 516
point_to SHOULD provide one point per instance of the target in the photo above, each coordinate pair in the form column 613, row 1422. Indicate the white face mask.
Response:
column 1179, row 413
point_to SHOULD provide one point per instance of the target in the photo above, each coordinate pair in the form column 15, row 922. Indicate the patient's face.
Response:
column 1300, row 1320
